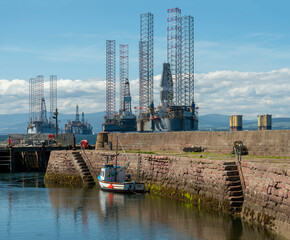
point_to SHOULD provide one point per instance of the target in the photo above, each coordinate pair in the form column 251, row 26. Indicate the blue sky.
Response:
column 67, row 38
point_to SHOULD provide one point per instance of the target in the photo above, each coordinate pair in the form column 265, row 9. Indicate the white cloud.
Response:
column 247, row 93
column 224, row 92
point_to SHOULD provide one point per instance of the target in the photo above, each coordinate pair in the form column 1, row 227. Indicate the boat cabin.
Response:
column 108, row 173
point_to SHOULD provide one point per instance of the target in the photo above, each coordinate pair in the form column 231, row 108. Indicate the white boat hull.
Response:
column 128, row 187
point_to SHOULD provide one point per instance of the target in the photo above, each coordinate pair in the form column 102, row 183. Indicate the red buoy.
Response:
column 50, row 136
column 84, row 144
column 111, row 186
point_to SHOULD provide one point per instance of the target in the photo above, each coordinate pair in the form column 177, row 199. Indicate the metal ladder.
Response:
column 5, row 160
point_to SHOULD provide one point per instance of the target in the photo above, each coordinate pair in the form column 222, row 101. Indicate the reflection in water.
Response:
column 29, row 211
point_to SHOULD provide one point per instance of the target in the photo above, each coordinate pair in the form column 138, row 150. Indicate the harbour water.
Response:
column 29, row 210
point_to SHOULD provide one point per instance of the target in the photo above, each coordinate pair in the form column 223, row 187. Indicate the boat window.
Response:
column 103, row 173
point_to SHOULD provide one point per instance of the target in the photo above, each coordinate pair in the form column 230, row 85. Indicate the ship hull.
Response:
column 167, row 125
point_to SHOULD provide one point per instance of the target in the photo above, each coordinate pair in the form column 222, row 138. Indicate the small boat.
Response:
column 114, row 179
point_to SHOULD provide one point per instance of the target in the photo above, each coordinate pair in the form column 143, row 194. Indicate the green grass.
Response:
column 138, row 151
column 216, row 156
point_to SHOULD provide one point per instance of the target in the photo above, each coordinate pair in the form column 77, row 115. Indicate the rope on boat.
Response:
column 133, row 191
column 124, row 151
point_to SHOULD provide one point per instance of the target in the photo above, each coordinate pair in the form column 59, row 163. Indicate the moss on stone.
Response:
column 261, row 218
column 207, row 203
column 63, row 180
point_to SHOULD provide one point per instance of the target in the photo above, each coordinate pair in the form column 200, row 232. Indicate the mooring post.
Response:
column 12, row 160
column 238, row 146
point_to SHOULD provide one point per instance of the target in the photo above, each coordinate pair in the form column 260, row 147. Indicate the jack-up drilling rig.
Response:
column 125, row 120
column 38, row 122
column 177, row 110
column 77, row 126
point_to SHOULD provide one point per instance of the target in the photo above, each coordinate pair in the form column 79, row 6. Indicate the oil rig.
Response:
column 177, row 110
column 38, row 121
column 124, row 120
column 77, row 126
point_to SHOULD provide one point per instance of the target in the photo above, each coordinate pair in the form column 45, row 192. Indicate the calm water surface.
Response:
column 28, row 210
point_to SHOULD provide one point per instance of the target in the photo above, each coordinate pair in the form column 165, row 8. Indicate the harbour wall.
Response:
column 200, row 181
column 260, row 143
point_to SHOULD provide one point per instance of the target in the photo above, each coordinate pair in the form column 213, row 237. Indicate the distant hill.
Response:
column 17, row 123
column 219, row 122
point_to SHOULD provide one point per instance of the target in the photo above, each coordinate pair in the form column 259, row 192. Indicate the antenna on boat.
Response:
column 116, row 160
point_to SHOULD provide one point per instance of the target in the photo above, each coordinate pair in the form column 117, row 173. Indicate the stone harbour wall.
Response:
column 267, row 196
column 260, row 143
column 200, row 181
column 61, row 170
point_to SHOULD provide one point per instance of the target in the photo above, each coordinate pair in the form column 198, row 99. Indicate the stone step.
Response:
column 235, row 188
column 86, row 177
column 232, row 173
column 236, row 203
column 89, row 180
column 90, row 184
column 229, row 163
column 236, row 198
column 236, row 193
column 233, row 183
column 236, row 209
column 86, row 173
column 79, row 161
column 82, row 164
column 233, row 178
column 231, row 167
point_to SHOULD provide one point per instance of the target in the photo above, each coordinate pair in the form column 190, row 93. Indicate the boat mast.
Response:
column 116, row 160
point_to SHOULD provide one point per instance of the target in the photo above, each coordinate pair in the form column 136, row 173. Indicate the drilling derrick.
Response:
column 43, row 114
column 83, row 118
column 166, row 93
column 110, row 78
column 174, row 50
column 39, row 95
column 124, row 72
column 127, row 98
column 127, row 120
column 77, row 118
column 77, row 126
column 146, row 61
column 53, row 96
column 187, row 61
column 32, row 99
